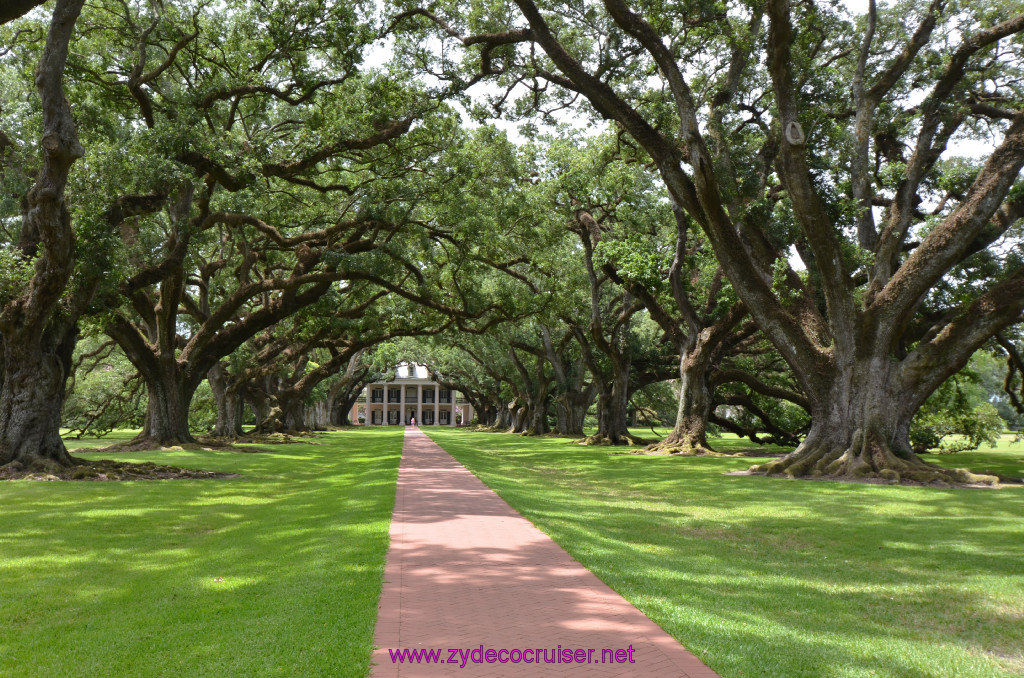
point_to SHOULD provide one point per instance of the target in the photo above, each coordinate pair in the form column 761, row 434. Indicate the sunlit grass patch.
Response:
column 772, row 577
column 275, row 572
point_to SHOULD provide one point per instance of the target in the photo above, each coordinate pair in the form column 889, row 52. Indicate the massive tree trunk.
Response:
column 832, row 330
column 531, row 418
column 613, row 405
column 31, row 396
column 316, row 416
column 516, row 416
column 571, row 409
column 616, row 404
column 259, row 399
column 689, row 437
column 287, row 416
column 170, row 396
column 341, row 410
column 227, row 393
column 537, row 419
column 859, row 427
column 486, row 412
column 37, row 335
column 534, row 412
column 503, row 418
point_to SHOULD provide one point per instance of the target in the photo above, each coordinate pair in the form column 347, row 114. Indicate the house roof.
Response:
column 411, row 371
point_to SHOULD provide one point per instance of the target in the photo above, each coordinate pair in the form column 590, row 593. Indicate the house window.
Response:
column 446, row 396
column 394, row 395
column 394, row 417
column 444, row 417
column 428, row 417
column 428, row 395
column 410, row 395
column 377, row 396
column 377, row 417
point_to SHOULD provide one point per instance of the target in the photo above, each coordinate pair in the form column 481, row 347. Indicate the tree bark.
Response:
column 316, row 416
column 13, row 9
column 31, row 398
column 503, row 418
column 170, row 396
column 859, row 429
column 574, row 396
column 535, row 414
column 571, row 410
column 342, row 410
column 613, row 406
column 227, row 393
column 689, row 436
column 37, row 335
column 288, row 415
column 538, row 418
column 617, row 405
column 516, row 418
column 259, row 400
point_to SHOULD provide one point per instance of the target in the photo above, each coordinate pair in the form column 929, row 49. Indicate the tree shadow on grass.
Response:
column 763, row 576
column 274, row 572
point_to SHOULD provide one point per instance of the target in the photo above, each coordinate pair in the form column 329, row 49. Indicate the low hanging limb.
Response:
column 643, row 412
column 125, row 396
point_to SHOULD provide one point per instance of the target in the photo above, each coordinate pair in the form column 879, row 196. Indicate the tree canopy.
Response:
column 808, row 220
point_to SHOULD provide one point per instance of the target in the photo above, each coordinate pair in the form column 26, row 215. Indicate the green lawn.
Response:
column 274, row 573
column 1006, row 458
column 783, row 578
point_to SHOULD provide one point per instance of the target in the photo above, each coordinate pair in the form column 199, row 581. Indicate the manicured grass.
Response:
column 1005, row 459
column 771, row 577
column 274, row 573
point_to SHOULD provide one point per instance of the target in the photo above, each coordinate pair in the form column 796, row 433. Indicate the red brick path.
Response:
column 465, row 570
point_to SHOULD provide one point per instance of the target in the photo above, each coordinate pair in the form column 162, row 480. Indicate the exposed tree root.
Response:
column 232, row 443
column 102, row 469
column 256, row 438
column 868, row 459
column 681, row 448
column 480, row 428
column 604, row 440
column 140, row 444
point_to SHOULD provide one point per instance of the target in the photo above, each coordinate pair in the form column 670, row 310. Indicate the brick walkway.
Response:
column 466, row 570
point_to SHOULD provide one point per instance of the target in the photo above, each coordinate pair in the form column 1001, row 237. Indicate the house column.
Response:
column 451, row 417
column 419, row 405
column 437, row 405
column 384, row 420
column 401, row 404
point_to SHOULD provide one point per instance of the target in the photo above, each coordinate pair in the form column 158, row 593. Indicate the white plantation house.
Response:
column 412, row 394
